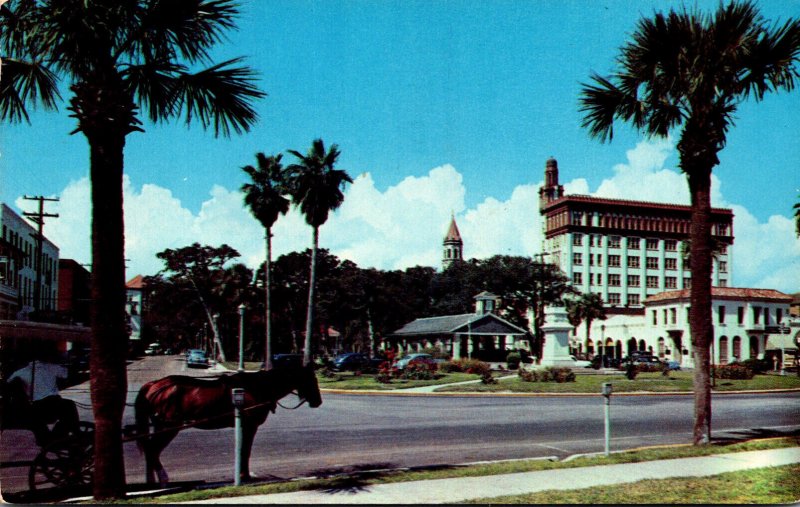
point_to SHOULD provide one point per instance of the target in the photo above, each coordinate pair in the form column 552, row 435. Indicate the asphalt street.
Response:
column 350, row 432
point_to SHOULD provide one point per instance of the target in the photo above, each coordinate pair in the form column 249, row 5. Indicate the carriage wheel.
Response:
column 65, row 464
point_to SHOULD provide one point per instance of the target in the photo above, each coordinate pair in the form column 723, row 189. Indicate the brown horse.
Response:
column 177, row 402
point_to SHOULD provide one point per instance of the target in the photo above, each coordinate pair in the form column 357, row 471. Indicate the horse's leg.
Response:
column 158, row 441
column 248, row 435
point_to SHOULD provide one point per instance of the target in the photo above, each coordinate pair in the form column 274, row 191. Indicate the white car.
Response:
column 580, row 363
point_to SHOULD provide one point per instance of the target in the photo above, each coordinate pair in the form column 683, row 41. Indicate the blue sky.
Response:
column 485, row 91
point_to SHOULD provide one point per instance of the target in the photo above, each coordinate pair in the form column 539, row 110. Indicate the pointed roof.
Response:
column 452, row 232
column 137, row 282
column 487, row 324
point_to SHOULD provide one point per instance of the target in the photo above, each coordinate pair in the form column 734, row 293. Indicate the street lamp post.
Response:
column 214, row 338
column 241, row 337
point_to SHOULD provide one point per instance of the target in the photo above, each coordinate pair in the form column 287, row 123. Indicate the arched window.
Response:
column 723, row 350
column 590, row 347
column 737, row 348
column 661, row 347
column 753, row 347
column 642, row 346
column 631, row 346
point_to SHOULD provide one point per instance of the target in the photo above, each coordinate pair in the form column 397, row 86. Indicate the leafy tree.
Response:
column 118, row 57
column 203, row 269
column 587, row 308
column 264, row 197
column 316, row 188
column 689, row 71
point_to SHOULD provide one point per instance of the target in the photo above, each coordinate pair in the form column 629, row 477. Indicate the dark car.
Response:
column 287, row 360
column 351, row 361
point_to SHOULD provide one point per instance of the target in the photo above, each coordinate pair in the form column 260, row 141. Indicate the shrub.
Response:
column 513, row 359
column 486, row 378
column 475, row 366
column 451, row 367
column 435, row 352
column 551, row 374
column 561, row 375
column 733, row 371
column 631, row 370
column 419, row 370
column 758, row 366
column 527, row 375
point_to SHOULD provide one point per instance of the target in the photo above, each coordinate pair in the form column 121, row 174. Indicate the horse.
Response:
column 177, row 402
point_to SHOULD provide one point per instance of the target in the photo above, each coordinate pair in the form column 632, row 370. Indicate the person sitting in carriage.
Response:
column 40, row 380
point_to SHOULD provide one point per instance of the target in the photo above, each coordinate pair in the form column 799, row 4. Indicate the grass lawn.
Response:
column 656, row 494
column 774, row 485
column 651, row 382
column 349, row 380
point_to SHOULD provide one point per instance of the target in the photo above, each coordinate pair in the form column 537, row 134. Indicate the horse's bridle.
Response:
column 302, row 400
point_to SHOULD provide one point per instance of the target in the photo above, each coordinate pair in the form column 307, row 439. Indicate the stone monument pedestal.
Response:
column 555, row 330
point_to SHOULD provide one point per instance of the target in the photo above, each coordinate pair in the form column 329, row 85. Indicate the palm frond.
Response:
column 219, row 95
column 601, row 103
column 25, row 83
column 153, row 85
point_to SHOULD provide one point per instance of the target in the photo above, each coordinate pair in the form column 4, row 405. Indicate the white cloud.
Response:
column 403, row 225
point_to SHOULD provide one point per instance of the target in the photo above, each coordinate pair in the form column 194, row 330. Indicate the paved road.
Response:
column 349, row 431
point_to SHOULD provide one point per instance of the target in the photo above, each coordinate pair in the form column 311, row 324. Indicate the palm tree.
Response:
column 265, row 198
column 689, row 71
column 316, row 188
column 118, row 57
column 588, row 307
column 797, row 219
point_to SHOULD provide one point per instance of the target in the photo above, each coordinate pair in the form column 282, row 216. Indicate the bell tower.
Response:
column 551, row 190
column 453, row 245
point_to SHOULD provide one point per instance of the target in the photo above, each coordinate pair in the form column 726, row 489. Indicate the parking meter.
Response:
column 606, row 392
column 237, row 397
column 607, row 389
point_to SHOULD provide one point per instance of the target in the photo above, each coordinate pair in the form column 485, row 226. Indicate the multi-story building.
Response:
column 624, row 250
column 74, row 291
column 18, row 252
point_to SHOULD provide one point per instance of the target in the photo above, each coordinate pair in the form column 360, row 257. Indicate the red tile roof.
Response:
column 452, row 233
column 137, row 282
column 724, row 293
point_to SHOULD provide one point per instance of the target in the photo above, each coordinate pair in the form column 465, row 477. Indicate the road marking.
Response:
column 554, row 448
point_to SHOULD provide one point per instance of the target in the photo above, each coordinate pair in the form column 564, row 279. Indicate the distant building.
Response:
column 74, row 291
column 135, row 289
column 453, row 245
column 625, row 251
column 18, row 268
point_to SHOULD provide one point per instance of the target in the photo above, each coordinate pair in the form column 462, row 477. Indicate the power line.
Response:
column 38, row 218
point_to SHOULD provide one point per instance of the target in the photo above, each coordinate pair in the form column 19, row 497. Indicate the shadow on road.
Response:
column 356, row 478
column 741, row 436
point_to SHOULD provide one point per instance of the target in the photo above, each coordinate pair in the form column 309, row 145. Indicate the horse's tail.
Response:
column 142, row 411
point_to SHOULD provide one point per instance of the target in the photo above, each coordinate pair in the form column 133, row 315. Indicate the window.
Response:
column 687, row 283
column 740, row 315
column 655, row 317
column 652, row 263
column 633, row 299
column 652, row 244
column 613, row 280
column 737, row 348
column 577, row 218
column 633, row 243
column 671, row 282
column 722, row 229
column 756, row 315
column 577, row 240
column 577, row 278
column 723, row 282
column 778, row 315
column 673, row 315
column 671, row 264
column 599, row 260
column 613, row 241
column 652, row 282
column 723, row 249
column 670, row 245
column 661, row 348
column 721, row 314
column 723, row 267
column 633, row 262
column 613, row 298
column 688, row 313
column 577, row 259
column 613, row 261
column 633, row 280
column 723, row 350
column 599, row 279
column 766, row 316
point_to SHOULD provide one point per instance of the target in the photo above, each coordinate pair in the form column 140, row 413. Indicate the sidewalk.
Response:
column 469, row 488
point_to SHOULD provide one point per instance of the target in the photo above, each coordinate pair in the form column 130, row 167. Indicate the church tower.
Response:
column 453, row 246
column 551, row 190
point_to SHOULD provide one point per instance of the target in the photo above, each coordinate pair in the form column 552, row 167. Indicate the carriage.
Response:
column 166, row 406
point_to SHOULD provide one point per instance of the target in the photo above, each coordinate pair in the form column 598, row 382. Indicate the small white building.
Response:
column 748, row 324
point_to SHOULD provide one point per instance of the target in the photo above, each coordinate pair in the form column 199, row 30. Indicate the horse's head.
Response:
column 307, row 387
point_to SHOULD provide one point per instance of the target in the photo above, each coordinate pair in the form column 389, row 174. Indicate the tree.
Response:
column 587, row 308
column 118, row 57
column 316, row 188
column 689, row 71
column 265, row 198
column 797, row 219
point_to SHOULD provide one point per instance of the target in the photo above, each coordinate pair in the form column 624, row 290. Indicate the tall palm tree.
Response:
column 265, row 198
column 587, row 308
column 118, row 57
column 689, row 71
column 316, row 188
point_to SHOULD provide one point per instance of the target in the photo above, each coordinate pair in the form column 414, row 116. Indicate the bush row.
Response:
column 551, row 374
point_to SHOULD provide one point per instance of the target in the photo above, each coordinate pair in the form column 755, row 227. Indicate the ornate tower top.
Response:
column 551, row 190
column 453, row 245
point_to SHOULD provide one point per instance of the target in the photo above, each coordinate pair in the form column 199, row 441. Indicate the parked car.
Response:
column 351, row 361
column 287, row 360
column 196, row 358
column 403, row 361
column 153, row 349
column 673, row 365
column 581, row 363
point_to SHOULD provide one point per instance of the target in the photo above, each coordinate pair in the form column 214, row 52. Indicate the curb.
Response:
column 365, row 392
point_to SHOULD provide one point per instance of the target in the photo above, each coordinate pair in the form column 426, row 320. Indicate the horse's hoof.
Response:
column 163, row 478
column 250, row 478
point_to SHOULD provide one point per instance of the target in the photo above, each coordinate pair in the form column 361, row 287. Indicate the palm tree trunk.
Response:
column 700, row 324
column 311, row 283
column 267, row 289
column 109, row 383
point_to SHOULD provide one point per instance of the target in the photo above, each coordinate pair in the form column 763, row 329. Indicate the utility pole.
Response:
column 38, row 218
